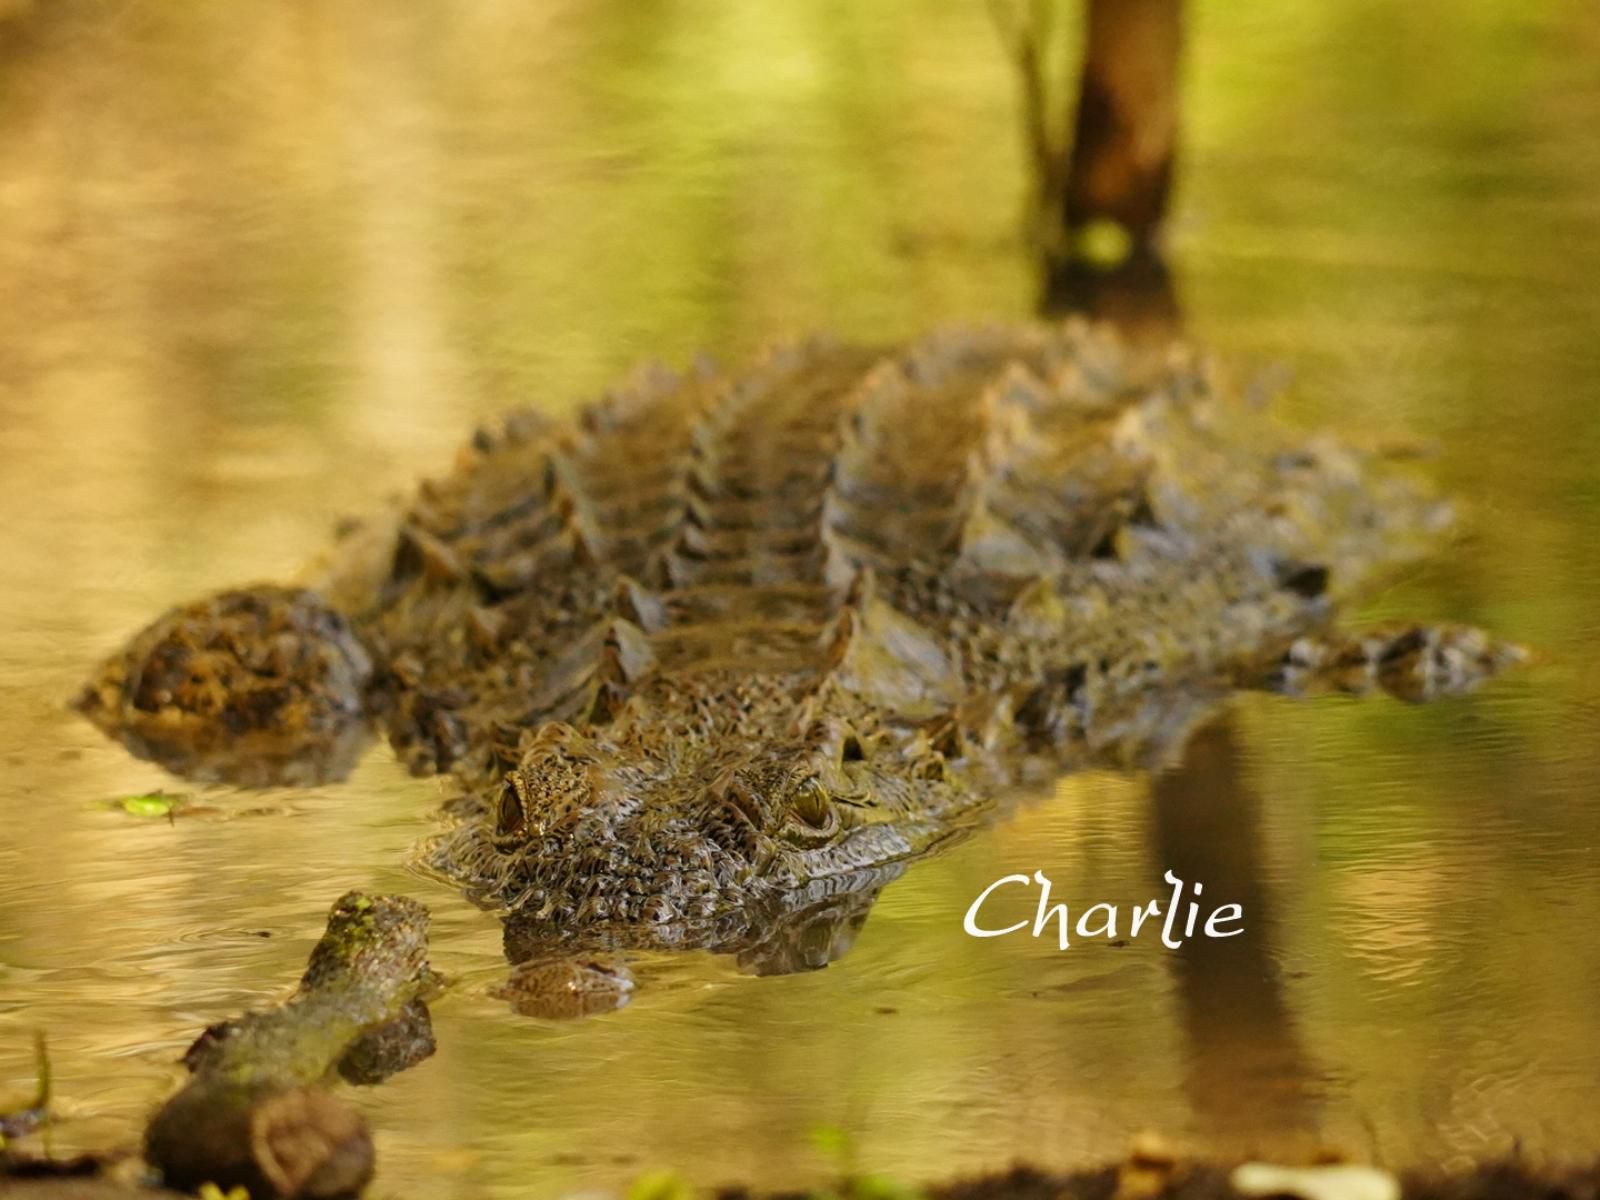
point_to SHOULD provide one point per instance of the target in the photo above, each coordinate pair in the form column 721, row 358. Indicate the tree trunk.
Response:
column 1125, row 134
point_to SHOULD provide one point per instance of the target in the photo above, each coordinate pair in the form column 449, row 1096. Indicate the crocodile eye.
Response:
column 510, row 820
column 812, row 804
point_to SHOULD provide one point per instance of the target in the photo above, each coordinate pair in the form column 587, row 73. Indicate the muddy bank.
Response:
column 1493, row 1181
column 1140, row 1178
column 72, row 1181
column 1148, row 1178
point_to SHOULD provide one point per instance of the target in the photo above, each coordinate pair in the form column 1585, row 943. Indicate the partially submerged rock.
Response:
column 288, row 1142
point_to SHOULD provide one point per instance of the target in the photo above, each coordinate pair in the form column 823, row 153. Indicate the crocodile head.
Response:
column 584, row 832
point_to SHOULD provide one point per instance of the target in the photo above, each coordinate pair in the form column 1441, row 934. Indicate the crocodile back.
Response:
column 699, row 521
column 727, row 636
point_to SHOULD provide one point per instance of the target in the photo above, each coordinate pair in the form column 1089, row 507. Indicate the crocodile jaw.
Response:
column 575, row 838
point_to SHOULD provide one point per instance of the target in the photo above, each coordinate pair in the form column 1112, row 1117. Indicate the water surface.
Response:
column 262, row 264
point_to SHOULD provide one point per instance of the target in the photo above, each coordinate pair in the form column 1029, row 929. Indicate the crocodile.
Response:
column 723, row 653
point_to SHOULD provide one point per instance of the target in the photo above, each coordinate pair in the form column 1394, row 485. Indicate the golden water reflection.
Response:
column 264, row 263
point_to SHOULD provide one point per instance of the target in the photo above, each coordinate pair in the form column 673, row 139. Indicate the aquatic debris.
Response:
column 1206, row 1180
column 17, row 1122
column 150, row 804
column 255, row 1112
column 1152, row 1166
column 1331, row 1181
column 173, row 806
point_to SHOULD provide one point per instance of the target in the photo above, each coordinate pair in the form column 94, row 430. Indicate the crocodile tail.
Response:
column 1411, row 662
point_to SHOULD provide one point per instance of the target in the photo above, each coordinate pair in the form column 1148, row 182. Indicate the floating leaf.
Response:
column 831, row 1141
column 149, row 804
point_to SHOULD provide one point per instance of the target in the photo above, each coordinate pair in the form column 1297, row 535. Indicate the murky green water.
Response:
column 263, row 263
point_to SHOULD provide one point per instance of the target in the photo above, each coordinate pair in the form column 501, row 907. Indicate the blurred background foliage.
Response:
column 265, row 262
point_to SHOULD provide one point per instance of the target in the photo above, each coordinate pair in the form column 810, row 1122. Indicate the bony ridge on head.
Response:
column 561, row 780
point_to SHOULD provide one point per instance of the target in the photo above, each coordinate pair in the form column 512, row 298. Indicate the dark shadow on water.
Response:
column 1138, row 295
column 1250, row 1082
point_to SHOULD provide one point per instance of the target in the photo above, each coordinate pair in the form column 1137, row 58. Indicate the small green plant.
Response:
column 852, row 1183
column 36, row 1112
column 663, row 1183
column 210, row 1191
column 833, row 1144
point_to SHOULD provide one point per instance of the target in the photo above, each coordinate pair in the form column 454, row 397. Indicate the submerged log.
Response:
column 255, row 1112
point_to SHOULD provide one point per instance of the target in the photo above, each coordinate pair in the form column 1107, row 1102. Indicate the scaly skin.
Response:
column 728, row 650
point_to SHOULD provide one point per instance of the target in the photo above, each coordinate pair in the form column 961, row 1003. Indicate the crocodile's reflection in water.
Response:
column 795, row 931
column 554, row 980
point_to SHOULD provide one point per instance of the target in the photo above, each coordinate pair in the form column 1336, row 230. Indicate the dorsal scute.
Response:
column 1006, row 409
column 1039, row 610
column 989, row 544
column 886, row 658
column 632, row 601
column 801, row 516
column 628, row 650
column 966, row 455
column 639, row 399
